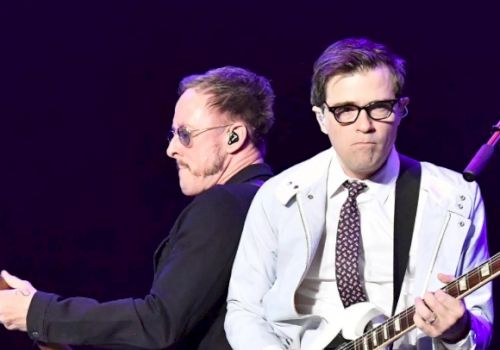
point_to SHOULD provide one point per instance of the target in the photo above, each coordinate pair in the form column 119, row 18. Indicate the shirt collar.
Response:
column 379, row 185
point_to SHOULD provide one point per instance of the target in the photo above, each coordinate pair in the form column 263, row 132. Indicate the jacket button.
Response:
column 462, row 197
column 460, row 206
column 461, row 223
column 310, row 196
column 35, row 334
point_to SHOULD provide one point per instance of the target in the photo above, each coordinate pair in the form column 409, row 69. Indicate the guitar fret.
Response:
column 386, row 331
column 397, row 325
column 365, row 343
column 374, row 338
column 462, row 284
column 358, row 344
column 485, row 270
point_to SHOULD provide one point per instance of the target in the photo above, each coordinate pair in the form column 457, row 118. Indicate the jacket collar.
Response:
column 308, row 175
column 304, row 176
column 260, row 171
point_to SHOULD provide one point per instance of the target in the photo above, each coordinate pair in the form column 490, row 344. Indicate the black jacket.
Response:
column 186, row 306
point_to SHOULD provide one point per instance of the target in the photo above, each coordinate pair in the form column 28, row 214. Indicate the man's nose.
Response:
column 364, row 122
column 171, row 150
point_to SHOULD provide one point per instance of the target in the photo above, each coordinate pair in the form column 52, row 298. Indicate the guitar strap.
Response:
column 405, row 209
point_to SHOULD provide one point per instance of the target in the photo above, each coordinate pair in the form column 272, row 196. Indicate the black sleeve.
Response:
column 192, row 275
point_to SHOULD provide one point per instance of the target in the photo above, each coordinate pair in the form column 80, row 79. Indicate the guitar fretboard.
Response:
column 398, row 325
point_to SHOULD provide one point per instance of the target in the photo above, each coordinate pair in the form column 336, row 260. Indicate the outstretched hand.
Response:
column 14, row 303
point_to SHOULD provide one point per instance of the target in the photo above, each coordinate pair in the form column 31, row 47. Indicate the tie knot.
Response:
column 354, row 187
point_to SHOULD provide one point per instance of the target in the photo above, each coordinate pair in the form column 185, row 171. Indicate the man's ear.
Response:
column 320, row 117
column 403, row 102
column 236, row 137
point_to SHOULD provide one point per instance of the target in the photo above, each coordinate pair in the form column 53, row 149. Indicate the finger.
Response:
column 423, row 311
column 423, row 325
column 450, row 305
column 444, row 298
column 444, row 305
column 431, row 303
column 419, row 321
column 441, row 308
column 443, row 278
column 14, row 281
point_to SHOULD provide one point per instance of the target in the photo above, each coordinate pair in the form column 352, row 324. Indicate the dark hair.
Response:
column 241, row 93
column 353, row 55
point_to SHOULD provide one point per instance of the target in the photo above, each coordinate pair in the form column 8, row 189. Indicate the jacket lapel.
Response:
column 312, row 206
column 306, row 190
column 440, row 239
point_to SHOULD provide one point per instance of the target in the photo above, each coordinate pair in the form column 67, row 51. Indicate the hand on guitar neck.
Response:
column 438, row 314
column 25, row 291
column 430, row 314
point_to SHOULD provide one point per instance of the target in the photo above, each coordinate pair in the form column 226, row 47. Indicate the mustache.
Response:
column 179, row 164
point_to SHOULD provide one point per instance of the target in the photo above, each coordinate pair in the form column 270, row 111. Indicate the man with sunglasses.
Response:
column 217, row 139
column 360, row 229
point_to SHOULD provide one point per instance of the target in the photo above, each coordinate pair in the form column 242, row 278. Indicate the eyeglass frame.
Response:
column 190, row 133
column 368, row 109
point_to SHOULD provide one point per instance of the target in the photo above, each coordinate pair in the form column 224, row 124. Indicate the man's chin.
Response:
column 188, row 191
column 364, row 169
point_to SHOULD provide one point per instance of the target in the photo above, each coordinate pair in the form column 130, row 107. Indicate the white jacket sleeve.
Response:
column 253, row 275
column 479, row 303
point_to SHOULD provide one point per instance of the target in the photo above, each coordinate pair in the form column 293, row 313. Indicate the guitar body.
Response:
column 358, row 316
column 355, row 320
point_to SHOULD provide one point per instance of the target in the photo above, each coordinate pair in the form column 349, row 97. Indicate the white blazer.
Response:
column 282, row 232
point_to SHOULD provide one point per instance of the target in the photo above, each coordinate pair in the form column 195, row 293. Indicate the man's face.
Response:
column 202, row 162
column 363, row 146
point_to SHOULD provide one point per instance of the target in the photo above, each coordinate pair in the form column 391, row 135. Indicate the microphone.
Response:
column 482, row 156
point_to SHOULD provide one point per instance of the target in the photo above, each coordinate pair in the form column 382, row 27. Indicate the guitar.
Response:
column 400, row 324
column 4, row 286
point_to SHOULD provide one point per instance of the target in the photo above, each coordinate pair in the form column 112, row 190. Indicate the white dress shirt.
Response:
column 318, row 292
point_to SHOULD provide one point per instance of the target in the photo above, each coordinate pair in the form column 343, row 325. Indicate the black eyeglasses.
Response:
column 377, row 110
column 186, row 135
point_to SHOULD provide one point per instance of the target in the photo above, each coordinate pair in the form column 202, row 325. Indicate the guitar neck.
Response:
column 400, row 324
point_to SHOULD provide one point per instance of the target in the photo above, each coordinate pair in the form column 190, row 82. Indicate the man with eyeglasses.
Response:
column 217, row 139
column 360, row 230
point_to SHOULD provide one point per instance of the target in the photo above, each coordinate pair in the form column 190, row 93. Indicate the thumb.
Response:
column 15, row 282
column 445, row 278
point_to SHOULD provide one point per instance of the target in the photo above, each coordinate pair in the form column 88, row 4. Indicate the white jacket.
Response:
column 282, row 231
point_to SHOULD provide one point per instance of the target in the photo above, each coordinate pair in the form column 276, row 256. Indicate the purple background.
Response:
column 88, row 90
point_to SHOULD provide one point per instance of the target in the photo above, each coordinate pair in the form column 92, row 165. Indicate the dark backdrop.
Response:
column 88, row 90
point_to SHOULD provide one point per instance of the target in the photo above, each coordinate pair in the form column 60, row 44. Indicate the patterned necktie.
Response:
column 347, row 248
